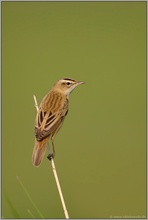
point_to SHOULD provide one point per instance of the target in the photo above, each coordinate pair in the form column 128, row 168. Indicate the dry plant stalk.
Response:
column 55, row 175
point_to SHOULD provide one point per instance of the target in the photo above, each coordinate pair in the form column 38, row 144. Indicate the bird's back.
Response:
column 52, row 112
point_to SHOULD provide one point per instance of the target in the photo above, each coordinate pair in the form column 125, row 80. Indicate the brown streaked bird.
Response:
column 50, row 117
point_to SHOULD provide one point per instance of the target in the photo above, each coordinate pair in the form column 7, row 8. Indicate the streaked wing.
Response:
column 47, row 122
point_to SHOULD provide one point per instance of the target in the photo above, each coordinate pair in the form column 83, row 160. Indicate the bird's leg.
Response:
column 51, row 155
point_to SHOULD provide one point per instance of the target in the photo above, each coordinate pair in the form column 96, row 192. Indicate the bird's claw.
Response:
column 50, row 156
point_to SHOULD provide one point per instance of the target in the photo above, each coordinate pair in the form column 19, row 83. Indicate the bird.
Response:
column 50, row 117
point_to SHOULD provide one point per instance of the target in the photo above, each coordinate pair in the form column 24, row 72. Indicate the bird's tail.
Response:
column 39, row 151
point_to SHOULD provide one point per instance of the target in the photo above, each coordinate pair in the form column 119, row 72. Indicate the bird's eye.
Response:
column 68, row 83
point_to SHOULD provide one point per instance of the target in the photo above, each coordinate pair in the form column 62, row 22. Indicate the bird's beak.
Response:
column 75, row 85
column 79, row 83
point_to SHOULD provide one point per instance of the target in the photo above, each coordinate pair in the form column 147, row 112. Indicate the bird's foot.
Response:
column 50, row 156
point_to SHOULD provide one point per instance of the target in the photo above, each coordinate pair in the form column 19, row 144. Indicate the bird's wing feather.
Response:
column 46, row 123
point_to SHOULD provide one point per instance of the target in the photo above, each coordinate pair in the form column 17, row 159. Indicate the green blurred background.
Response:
column 101, row 148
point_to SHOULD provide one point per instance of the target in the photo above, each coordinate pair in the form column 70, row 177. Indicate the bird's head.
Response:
column 66, row 86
